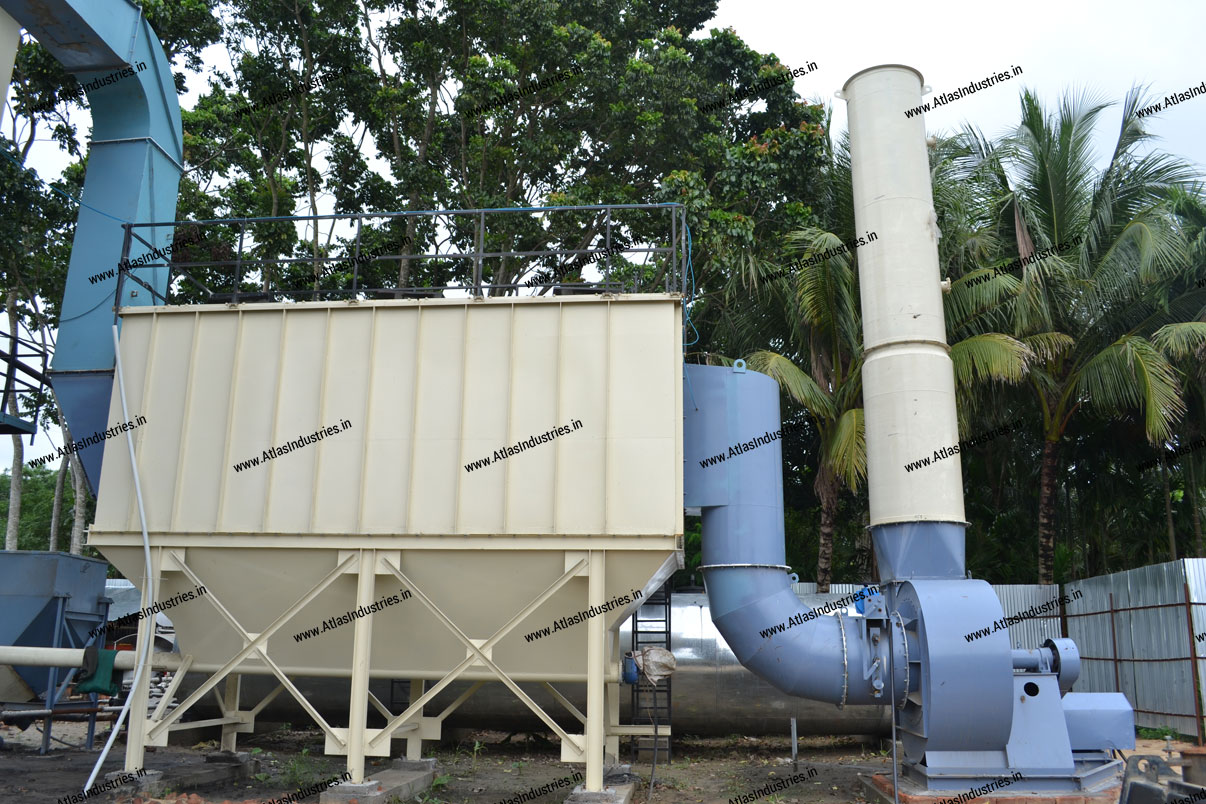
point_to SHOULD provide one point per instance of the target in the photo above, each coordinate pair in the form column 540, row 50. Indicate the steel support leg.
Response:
column 414, row 743
column 52, row 677
column 611, row 693
column 362, row 646
column 596, row 648
column 136, row 734
column 230, row 706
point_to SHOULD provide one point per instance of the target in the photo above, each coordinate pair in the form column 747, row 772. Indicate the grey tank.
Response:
column 712, row 694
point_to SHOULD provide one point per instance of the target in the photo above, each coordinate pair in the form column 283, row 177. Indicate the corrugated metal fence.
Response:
column 1137, row 632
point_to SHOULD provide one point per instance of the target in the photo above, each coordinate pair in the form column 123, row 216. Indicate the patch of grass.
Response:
column 301, row 771
column 1157, row 734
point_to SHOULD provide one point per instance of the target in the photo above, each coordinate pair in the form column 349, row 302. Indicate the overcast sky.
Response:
column 1103, row 47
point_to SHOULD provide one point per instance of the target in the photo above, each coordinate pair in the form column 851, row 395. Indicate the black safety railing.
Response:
column 632, row 248
column 25, row 362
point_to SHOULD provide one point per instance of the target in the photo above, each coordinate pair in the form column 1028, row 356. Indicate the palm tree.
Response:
column 1088, row 313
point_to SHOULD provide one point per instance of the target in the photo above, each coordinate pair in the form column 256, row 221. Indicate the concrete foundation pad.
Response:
column 618, row 794
column 879, row 789
column 384, row 785
column 219, row 769
column 150, row 782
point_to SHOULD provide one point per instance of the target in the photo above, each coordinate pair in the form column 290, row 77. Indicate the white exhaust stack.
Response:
column 908, row 379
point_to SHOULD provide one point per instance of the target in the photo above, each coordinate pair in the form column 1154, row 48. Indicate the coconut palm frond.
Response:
column 792, row 379
column 1186, row 339
column 846, row 449
column 1048, row 347
column 1132, row 373
column 991, row 356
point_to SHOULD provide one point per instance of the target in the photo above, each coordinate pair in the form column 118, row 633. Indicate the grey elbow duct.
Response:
column 733, row 474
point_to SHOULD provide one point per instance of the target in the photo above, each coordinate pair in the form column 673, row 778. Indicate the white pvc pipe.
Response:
column 908, row 378
column 19, row 656
column 144, row 650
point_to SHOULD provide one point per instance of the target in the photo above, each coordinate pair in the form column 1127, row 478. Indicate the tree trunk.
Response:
column 80, row 488
column 1172, row 534
column 56, row 510
column 827, row 490
column 17, row 476
column 1046, row 514
column 1194, row 507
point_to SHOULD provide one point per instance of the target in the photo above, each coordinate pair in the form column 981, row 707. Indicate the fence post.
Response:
column 1114, row 646
column 1193, row 664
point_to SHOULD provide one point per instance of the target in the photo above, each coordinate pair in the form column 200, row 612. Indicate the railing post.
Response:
column 673, row 261
column 239, row 265
column 607, row 245
column 480, row 237
column 356, row 257
column 121, row 269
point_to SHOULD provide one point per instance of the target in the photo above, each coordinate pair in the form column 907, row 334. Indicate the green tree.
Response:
column 1087, row 313
column 34, row 532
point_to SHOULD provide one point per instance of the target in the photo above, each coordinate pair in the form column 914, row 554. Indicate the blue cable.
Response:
column 691, row 295
column 52, row 188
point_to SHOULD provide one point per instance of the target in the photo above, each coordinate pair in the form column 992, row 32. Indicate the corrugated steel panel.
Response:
column 415, row 392
column 1155, row 629
column 1019, row 599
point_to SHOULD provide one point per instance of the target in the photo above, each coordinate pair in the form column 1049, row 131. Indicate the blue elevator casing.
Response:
column 134, row 165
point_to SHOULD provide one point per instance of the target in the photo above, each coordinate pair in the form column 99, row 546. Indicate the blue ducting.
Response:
column 825, row 658
column 134, row 164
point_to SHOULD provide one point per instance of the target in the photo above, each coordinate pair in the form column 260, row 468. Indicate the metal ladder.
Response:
column 651, row 628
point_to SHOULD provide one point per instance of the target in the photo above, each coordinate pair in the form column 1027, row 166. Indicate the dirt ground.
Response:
column 480, row 768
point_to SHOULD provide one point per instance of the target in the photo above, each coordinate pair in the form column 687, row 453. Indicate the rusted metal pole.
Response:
column 1193, row 664
column 1114, row 646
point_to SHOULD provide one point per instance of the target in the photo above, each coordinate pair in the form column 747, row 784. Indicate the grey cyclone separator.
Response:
column 749, row 590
